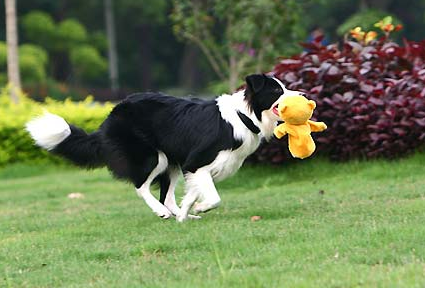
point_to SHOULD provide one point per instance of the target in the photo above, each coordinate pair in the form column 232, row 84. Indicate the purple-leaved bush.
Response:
column 372, row 97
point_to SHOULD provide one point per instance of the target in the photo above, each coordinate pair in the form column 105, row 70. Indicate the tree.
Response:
column 112, row 49
column 12, row 49
column 252, row 34
column 139, row 22
column 74, row 50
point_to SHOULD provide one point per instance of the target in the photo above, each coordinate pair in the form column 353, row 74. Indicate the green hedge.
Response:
column 15, row 143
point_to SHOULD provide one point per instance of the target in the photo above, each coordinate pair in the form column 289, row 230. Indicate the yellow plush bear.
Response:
column 296, row 111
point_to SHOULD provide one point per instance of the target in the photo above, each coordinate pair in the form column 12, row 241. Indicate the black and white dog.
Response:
column 151, row 137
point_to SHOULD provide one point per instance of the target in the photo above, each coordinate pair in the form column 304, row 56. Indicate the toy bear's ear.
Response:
column 255, row 82
column 312, row 104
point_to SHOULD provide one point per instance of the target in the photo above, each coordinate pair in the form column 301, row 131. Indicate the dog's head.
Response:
column 263, row 94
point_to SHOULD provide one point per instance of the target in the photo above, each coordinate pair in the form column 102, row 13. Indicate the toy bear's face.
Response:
column 296, row 109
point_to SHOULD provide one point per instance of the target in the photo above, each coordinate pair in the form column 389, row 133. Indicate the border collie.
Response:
column 151, row 137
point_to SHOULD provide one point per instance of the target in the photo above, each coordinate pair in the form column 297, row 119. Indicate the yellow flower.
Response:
column 357, row 33
column 385, row 24
column 370, row 36
column 388, row 28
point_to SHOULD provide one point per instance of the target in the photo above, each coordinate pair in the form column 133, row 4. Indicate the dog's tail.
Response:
column 54, row 134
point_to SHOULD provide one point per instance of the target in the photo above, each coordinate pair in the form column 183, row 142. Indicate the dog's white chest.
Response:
column 228, row 162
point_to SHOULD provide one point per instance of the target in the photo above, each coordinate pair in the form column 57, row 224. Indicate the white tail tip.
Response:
column 48, row 130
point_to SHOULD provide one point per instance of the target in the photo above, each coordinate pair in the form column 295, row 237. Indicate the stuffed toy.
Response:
column 296, row 111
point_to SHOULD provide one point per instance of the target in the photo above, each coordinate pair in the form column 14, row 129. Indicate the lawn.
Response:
column 357, row 224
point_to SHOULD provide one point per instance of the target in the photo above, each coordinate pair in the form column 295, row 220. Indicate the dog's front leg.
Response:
column 208, row 198
column 199, row 185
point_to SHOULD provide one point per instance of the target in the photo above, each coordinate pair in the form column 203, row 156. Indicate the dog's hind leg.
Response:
column 143, row 191
column 168, row 182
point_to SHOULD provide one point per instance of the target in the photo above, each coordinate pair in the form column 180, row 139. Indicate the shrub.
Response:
column 35, row 51
column 99, row 40
column 371, row 96
column 31, row 70
column 16, row 144
column 87, row 62
column 63, row 40
column 3, row 55
column 364, row 19
column 32, row 63
column 39, row 28
column 70, row 33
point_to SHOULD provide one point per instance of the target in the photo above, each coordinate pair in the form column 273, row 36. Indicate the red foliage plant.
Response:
column 372, row 97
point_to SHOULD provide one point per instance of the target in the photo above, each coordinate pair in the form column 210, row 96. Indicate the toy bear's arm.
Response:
column 280, row 131
column 284, row 129
column 317, row 126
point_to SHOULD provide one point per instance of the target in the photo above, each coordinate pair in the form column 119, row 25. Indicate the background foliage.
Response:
column 364, row 19
column 240, row 37
column 15, row 143
column 63, row 53
column 152, row 58
column 371, row 96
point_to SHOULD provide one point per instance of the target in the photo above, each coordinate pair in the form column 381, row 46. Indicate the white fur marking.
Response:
column 208, row 195
column 48, row 130
column 170, row 198
column 145, row 193
column 189, row 198
column 230, row 104
column 199, row 185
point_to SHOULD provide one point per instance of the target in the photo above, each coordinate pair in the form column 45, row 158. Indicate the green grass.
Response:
column 366, row 229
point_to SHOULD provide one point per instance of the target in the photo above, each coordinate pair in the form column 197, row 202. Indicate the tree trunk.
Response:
column 144, row 39
column 379, row 4
column 112, row 48
column 233, row 74
column 363, row 5
column 61, row 68
column 12, row 50
column 190, row 74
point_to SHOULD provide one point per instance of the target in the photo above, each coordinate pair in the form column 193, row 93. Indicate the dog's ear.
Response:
column 255, row 82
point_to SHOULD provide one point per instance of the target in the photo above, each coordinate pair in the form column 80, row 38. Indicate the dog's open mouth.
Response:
column 275, row 110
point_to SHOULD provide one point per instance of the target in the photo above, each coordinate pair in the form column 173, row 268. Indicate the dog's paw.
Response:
column 164, row 213
column 193, row 217
column 181, row 218
column 204, row 207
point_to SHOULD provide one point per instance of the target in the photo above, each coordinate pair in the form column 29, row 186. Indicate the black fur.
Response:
column 164, row 184
column 261, row 92
column 190, row 132
column 83, row 149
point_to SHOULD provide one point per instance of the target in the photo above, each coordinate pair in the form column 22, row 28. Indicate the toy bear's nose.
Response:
column 303, row 94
